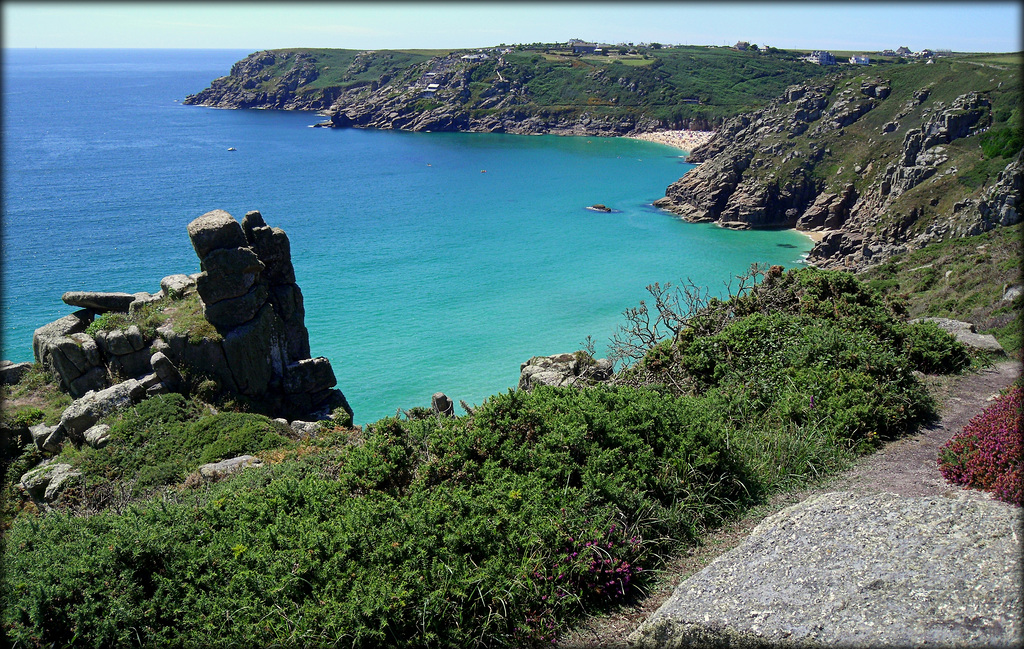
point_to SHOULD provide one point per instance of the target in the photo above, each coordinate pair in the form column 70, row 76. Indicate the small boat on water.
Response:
column 231, row 148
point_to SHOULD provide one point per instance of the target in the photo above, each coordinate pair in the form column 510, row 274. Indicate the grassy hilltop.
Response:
column 669, row 86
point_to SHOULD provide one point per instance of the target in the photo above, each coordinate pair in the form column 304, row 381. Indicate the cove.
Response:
column 428, row 261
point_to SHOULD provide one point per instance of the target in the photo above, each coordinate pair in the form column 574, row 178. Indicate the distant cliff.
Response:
column 879, row 160
column 541, row 89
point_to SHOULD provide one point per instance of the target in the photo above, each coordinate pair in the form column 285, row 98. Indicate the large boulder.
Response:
column 98, row 301
column 12, row 373
column 45, row 483
column 563, row 369
column 857, row 571
column 84, row 412
column 69, row 354
column 967, row 334
column 213, row 230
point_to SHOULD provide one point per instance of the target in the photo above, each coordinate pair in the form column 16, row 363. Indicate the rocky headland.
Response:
column 521, row 90
column 870, row 173
column 233, row 330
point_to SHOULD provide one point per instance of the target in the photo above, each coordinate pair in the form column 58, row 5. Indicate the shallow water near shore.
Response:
column 428, row 261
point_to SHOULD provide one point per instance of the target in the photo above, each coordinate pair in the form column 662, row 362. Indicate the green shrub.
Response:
column 159, row 441
column 932, row 350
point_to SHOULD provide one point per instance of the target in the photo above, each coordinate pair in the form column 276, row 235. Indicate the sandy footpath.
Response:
column 685, row 140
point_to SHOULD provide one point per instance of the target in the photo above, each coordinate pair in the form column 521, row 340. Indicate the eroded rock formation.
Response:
column 258, row 346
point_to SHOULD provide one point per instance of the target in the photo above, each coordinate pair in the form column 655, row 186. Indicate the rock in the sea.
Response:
column 598, row 207
column 98, row 301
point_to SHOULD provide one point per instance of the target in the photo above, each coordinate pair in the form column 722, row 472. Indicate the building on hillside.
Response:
column 888, row 53
column 821, row 58
column 475, row 57
column 860, row 59
column 741, row 46
column 903, row 51
column 580, row 47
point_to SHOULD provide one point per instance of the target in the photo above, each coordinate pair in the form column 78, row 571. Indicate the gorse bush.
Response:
column 988, row 454
column 159, row 441
column 497, row 528
column 492, row 529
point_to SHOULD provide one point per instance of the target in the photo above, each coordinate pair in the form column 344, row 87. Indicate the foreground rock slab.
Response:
column 857, row 571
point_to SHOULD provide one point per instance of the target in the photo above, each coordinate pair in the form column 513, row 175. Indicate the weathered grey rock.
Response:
column 11, row 373
column 47, row 438
column 247, row 352
column 130, row 366
column 213, row 230
column 305, row 429
column 442, row 405
column 234, row 312
column 274, row 250
column 857, row 571
column 204, row 357
column 1011, row 294
column 176, row 286
column 965, row 332
column 561, row 370
column 143, row 299
column 44, row 336
column 114, row 342
column 95, row 379
column 135, row 337
column 84, row 412
column 97, row 436
column 228, row 273
column 98, row 301
column 309, row 375
column 74, row 358
column 45, row 483
column 216, row 470
column 168, row 373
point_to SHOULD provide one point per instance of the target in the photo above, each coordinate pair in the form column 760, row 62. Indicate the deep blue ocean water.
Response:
column 420, row 272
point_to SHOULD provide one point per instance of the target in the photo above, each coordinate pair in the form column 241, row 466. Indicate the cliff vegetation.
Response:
column 499, row 527
column 523, row 89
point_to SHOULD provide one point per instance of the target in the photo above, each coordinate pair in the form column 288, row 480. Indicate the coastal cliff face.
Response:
column 508, row 90
column 878, row 164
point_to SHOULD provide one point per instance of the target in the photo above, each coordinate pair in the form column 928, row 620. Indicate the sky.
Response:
column 979, row 26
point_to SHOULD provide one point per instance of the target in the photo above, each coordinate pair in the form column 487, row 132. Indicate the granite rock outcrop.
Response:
column 257, row 345
column 789, row 165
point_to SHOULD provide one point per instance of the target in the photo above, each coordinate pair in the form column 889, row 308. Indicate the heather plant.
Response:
column 987, row 453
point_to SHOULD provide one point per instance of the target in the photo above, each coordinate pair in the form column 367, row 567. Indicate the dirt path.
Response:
column 906, row 467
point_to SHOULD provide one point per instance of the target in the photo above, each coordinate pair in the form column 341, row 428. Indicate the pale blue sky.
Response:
column 868, row 26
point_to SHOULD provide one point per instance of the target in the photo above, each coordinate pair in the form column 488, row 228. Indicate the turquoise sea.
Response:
column 428, row 261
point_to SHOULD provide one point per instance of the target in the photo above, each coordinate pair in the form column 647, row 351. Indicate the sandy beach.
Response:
column 815, row 235
column 685, row 140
